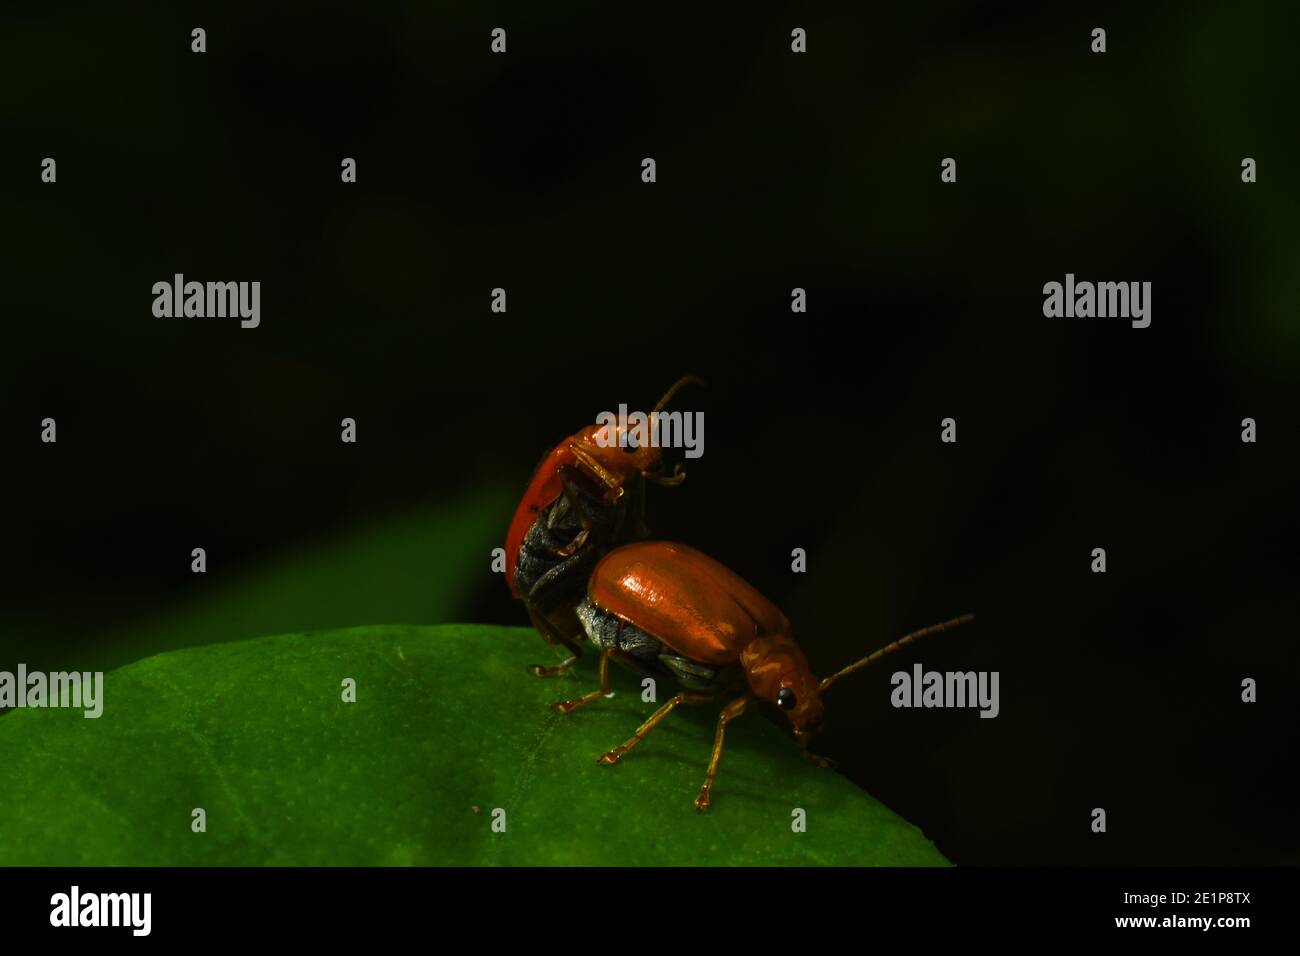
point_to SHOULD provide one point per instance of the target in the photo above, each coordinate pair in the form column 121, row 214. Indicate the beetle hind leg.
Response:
column 569, row 706
column 552, row 670
column 552, row 635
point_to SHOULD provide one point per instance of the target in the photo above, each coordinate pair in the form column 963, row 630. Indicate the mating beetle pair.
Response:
column 573, row 555
column 586, row 496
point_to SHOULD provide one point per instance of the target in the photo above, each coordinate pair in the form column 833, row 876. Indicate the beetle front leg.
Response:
column 826, row 763
column 569, row 706
column 613, row 484
column 685, row 697
column 668, row 481
column 729, row 713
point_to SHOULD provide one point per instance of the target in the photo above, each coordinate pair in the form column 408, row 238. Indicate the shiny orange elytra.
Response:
column 586, row 496
column 666, row 609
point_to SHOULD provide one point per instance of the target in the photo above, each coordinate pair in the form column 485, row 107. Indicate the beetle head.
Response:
column 778, row 672
column 622, row 448
column 625, row 445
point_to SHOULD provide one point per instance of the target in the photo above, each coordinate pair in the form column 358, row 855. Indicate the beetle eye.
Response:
column 785, row 698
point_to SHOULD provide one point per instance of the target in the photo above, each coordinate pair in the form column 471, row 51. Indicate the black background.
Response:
column 822, row 430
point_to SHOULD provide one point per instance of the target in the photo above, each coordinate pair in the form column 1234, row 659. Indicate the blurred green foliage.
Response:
column 422, row 564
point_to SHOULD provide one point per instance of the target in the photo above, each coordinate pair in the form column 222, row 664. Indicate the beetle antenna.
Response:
column 676, row 387
column 890, row 648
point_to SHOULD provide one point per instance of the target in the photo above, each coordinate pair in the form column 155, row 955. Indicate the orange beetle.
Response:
column 587, row 495
column 665, row 609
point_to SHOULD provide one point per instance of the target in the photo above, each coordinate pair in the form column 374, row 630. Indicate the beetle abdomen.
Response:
column 608, row 632
column 648, row 655
column 553, row 529
column 565, row 578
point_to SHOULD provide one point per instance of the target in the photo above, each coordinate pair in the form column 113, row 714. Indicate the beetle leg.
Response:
column 676, row 478
column 565, row 571
column 578, row 503
column 729, row 713
column 569, row 706
column 581, row 496
column 568, row 550
column 607, row 478
column 552, row 636
column 685, row 697
column 551, row 670
column 577, row 488
column 825, row 763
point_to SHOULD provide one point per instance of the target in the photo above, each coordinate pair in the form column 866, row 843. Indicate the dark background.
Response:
column 822, row 431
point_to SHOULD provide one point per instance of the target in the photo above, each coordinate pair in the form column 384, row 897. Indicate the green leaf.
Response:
column 446, row 720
